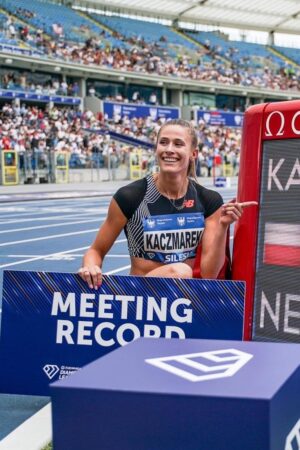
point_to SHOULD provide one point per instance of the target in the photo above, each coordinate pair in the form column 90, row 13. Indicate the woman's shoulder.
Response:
column 211, row 199
column 136, row 187
column 129, row 197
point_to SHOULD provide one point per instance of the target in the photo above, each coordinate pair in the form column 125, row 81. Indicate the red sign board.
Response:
column 267, row 239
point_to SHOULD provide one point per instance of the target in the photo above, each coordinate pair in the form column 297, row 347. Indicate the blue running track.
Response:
column 52, row 236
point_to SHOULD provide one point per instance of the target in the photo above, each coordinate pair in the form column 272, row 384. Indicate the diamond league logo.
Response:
column 203, row 366
column 51, row 370
column 293, row 438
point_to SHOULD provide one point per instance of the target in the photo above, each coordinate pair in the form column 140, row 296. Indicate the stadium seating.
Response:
column 243, row 54
column 150, row 32
column 4, row 38
column 75, row 27
column 140, row 46
column 291, row 53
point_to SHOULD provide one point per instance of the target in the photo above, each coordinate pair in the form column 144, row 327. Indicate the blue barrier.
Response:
column 131, row 110
column 221, row 118
column 21, row 51
column 23, row 95
column 122, row 138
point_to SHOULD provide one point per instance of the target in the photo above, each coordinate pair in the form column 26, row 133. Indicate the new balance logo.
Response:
column 50, row 370
column 293, row 438
column 203, row 366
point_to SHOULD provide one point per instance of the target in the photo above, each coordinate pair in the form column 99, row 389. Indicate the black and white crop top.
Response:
column 162, row 230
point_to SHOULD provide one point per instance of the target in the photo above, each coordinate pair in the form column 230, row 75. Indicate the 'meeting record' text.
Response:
column 112, row 310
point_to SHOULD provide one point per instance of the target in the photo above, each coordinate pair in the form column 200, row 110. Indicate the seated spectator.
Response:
column 153, row 98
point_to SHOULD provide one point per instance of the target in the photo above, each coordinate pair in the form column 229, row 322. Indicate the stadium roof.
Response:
column 263, row 15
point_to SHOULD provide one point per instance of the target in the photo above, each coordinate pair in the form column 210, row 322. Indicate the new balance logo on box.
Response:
column 203, row 366
column 50, row 370
column 293, row 438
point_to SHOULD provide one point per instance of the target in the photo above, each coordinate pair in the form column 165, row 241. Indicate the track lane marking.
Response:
column 34, row 219
column 76, row 255
column 38, row 227
column 35, row 433
column 118, row 270
column 16, row 263
column 57, row 211
column 43, row 238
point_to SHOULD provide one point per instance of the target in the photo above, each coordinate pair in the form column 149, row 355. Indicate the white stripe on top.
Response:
column 282, row 234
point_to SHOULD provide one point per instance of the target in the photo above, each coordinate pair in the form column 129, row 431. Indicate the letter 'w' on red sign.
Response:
column 282, row 244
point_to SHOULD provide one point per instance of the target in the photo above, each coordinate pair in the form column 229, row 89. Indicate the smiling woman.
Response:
column 166, row 215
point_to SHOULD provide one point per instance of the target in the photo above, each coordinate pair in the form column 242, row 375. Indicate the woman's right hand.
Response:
column 92, row 261
column 92, row 275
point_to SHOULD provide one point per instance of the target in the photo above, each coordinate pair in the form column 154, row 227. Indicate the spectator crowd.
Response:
column 18, row 81
column 29, row 129
column 137, row 55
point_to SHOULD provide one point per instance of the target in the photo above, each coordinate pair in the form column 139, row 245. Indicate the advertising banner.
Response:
column 53, row 324
column 131, row 110
column 221, row 118
column 8, row 48
column 45, row 98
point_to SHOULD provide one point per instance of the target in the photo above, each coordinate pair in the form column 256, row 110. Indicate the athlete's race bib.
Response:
column 172, row 238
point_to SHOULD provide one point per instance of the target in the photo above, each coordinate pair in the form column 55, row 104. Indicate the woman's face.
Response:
column 174, row 149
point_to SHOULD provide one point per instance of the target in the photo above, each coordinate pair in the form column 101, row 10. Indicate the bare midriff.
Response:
column 141, row 267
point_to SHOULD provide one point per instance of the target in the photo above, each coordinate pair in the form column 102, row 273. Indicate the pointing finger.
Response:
column 246, row 204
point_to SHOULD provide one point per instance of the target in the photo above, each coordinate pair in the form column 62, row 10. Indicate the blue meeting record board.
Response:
column 53, row 323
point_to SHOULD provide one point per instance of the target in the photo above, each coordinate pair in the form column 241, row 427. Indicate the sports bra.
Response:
column 164, row 230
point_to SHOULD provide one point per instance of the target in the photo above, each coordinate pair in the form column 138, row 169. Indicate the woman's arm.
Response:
column 214, row 237
column 106, row 236
column 213, row 246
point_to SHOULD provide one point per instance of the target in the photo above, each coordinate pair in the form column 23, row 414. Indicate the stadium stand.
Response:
column 45, row 15
column 51, row 49
column 144, row 32
column 291, row 53
column 129, row 45
column 140, row 46
column 23, row 81
column 31, row 131
column 245, row 55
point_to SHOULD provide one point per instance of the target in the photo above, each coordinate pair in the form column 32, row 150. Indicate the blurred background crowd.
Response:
column 47, row 106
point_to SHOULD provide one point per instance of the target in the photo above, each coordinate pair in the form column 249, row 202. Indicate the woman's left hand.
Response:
column 231, row 212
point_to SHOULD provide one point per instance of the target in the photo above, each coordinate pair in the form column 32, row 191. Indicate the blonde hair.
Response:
column 191, row 172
